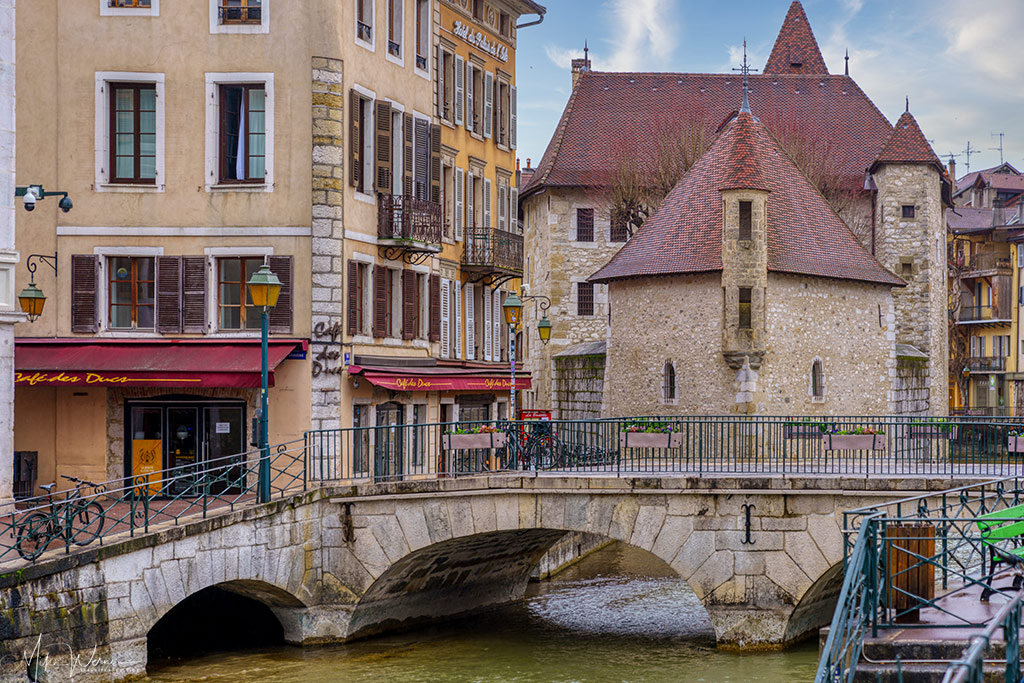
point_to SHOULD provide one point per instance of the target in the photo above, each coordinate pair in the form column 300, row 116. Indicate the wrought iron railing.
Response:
column 490, row 248
column 986, row 363
column 37, row 527
column 408, row 218
column 971, row 667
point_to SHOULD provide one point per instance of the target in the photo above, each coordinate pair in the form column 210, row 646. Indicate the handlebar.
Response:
column 86, row 482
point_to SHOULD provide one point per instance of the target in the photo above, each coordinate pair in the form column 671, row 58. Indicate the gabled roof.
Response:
column 907, row 145
column 805, row 236
column 796, row 50
column 1004, row 169
column 963, row 219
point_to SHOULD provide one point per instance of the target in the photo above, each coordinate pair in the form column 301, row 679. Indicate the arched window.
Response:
column 817, row 380
column 668, row 384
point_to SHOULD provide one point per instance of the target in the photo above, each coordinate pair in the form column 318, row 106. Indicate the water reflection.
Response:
column 620, row 615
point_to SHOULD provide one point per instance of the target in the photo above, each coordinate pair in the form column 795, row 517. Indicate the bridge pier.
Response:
column 315, row 625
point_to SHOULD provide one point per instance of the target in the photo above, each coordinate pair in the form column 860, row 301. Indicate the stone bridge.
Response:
column 338, row 563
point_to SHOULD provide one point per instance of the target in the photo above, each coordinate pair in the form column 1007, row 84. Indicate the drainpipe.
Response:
column 540, row 18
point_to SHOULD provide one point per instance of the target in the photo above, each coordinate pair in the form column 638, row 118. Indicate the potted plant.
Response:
column 649, row 435
column 1015, row 443
column 806, row 428
column 856, row 439
column 471, row 438
column 931, row 428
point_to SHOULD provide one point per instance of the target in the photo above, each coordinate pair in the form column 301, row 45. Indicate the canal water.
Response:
column 618, row 615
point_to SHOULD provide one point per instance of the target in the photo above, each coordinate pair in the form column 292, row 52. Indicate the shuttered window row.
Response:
column 481, row 101
column 181, row 285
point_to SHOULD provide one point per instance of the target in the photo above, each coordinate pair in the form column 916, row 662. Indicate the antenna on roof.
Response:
column 847, row 61
column 1000, row 147
column 745, row 69
column 968, row 152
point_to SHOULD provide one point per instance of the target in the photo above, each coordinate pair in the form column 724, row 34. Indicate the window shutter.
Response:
column 470, row 324
column 439, row 61
column 488, row 103
column 353, row 296
column 459, row 191
column 407, row 165
column 382, row 143
column 470, row 215
column 496, row 315
column 409, row 317
column 435, row 308
column 280, row 317
column 422, row 173
column 469, row 97
column 457, row 321
column 168, row 294
column 355, row 145
column 502, row 207
column 512, row 117
column 379, row 303
column 513, row 210
column 485, row 299
column 83, row 292
column 460, row 88
column 445, row 322
column 487, row 202
column 435, row 163
column 193, row 294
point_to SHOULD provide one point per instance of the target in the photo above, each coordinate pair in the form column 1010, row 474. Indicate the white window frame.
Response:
column 107, row 11
column 103, row 291
column 369, row 172
column 458, row 320
column 213, row 254
column 397, row 147
column 213, row 81
column 365, row 335
column 102, row 130
column 371, row 45
column 400, row 59
column 430, row 48
column 217, row 27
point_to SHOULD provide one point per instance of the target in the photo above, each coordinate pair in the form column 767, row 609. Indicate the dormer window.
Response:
column 745, row 220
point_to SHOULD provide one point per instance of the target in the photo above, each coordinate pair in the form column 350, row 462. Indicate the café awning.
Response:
column 172, row 363
column 439, row 378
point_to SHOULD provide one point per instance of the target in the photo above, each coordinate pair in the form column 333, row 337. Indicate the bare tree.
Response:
column 959, row 351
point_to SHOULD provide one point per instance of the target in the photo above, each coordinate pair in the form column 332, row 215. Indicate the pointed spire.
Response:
column 586, row 51
column 908, row 105
column 847, row 61
column 745, row 70
column 907, row 145
column 796, row 50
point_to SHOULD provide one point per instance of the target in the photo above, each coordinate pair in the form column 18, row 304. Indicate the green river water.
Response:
column 619, row 615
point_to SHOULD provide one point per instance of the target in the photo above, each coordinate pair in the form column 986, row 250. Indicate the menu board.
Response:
column 146, row 462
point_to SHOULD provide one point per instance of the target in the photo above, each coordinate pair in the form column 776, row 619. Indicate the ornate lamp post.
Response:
column 513, row 308
column 32, row 298
column 264, row 288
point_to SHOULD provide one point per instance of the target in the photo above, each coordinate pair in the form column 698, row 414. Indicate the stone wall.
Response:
column 579, row 386
column 328, row 231
column 845, row 324
column 566, row 552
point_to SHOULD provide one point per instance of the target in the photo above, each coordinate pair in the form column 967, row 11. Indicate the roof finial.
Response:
column 745, row 69
column 847, row 61
column 908, row 104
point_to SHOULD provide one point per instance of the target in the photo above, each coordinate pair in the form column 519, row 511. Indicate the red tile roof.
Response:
column 805, row 236
column 796, row 51
column 968, row 219
column 907, row 145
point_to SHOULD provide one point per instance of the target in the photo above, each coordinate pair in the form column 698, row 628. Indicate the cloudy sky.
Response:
column 958, row 62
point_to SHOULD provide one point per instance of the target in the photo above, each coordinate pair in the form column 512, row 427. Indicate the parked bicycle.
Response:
column 75, row 519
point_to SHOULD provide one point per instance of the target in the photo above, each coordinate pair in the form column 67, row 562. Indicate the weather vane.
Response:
column 745, row 70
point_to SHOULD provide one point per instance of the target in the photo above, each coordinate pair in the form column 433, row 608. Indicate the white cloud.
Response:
column 984, row 33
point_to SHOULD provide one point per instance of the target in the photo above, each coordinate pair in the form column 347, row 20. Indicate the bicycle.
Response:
column 37, row 529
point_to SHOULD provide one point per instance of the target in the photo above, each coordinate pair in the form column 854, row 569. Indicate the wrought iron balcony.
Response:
column 987, row 363
column 415, row 223
column 492, row 251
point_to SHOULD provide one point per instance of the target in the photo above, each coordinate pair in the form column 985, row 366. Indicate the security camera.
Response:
column 30, row 200
column 65, row 204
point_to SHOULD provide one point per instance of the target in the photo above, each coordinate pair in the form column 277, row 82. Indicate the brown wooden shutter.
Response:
column 380, row 328
column 280, row 317
column 193, row 294
column 383, row 146
column 421, row 175
column 435, row 308
column 355, row 144
column 409, row 304
column 83, row 293
column 435, row 163
column 407, row 165
column 168, row 294
column 353, row 294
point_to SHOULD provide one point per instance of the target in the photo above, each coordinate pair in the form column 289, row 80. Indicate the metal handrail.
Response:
column 970, row 667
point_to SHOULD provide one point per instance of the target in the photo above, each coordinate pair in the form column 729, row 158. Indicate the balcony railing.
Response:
column 365, row 31
column 987, row 364
column 988, row 261
column 394, row 48
column 408, row 218
column 493, row 250
column 981, row 313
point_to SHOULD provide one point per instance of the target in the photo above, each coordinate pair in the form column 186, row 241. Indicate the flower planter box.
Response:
column 650, row 440
column 1016, row 444
column 932, row 432
column 458, row 442
column 801, row 431
column 853, row 442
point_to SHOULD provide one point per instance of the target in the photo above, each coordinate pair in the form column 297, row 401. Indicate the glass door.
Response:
column 388, row 441
column 182, row 446
column 223, row 445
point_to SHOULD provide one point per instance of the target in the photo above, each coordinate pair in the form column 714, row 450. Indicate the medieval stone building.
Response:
column 884, row 181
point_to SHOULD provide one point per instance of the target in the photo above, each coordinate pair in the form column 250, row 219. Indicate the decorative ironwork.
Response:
column 415, row 222
column 491, row 251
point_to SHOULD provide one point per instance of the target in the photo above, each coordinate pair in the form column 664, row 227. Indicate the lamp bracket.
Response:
column 48, row 260
column 543, row 302
column 38, row 191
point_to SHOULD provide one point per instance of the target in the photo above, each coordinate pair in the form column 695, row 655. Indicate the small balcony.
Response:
column 983, row 314
column 493, row 252
column 987, row 364
column 988, row 262
column 409, row 224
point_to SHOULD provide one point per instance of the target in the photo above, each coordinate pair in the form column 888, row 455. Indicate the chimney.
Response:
column 998, row 214
column 952, row 169
column 528, row 166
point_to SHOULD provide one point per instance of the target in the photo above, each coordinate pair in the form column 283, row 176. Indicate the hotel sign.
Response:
column 478, row 40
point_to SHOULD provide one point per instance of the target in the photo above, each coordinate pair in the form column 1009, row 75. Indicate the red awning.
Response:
column 439, row 379
column 147, row 363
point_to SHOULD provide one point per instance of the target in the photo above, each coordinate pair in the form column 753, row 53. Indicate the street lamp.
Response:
column 264, row 288
column 513, row 308
column 32, row 298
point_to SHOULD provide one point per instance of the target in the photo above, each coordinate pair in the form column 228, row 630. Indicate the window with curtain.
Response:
column 235, row 310
column 133, row 133
column 242, row 133
column 132, row 300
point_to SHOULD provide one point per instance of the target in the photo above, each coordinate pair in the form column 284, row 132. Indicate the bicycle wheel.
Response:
column 34, row 533
column 88, row 523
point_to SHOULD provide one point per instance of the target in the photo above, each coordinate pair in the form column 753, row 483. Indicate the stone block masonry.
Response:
column 328, row 233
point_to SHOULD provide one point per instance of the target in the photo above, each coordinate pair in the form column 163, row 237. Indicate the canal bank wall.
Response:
column 566, row 552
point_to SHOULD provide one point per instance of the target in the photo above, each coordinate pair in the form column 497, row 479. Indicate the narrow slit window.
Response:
column 817, row 380
column 745, row 308
column 669, row 382
column 745, row 220
column 584, row 225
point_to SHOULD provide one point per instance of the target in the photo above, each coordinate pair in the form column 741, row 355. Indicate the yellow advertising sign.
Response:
column 147, row 458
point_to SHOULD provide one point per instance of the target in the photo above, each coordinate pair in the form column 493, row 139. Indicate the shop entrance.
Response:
column 188, row 436
column 388, row 440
